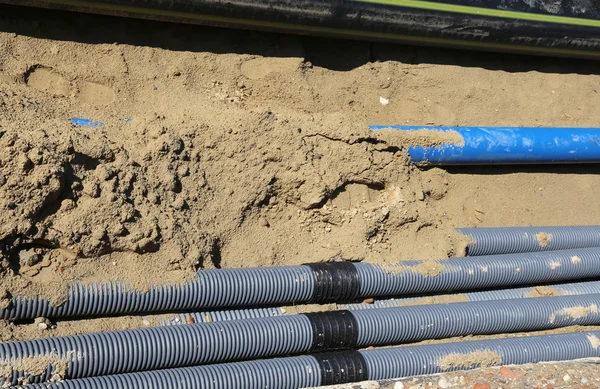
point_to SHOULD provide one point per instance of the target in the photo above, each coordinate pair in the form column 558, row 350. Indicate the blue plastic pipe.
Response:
column 508, row 145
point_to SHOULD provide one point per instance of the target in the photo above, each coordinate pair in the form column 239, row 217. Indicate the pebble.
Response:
column 479, row 385
column 67, row 204
column 263, row 222
column 42, row 323
column 385, row 211
column 179, row 203
column 507, row 373
column 369, row 301
column 567, row 378
column 183, row 171
column 146, row 245
column 117, row 229
column 29, row 257
column 92, row 189
column 584, row 380
column 443, row 383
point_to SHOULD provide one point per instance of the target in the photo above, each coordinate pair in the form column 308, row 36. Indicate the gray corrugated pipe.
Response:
column 317, row 283
column 350, row 366
column 578, row 288
column 126, row 351
column 507, row 240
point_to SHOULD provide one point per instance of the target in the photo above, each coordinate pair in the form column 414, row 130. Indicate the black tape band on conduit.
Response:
column 335, row 281
column 341, row 367
column 334, row 330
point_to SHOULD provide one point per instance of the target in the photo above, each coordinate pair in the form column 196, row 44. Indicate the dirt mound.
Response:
column 153, row 198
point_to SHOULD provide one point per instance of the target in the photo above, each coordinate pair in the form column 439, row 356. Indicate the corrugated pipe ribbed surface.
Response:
column 436, row 321
column 283, row 373
column 429, row 359
column 211, row 289
column 306, row 371
column 507, row 240
column 176, row 346
column 337, row 281
column 574, row 289
column 412, row 277
column 124, row 351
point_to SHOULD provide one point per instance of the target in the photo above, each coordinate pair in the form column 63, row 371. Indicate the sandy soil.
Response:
column 221, row 148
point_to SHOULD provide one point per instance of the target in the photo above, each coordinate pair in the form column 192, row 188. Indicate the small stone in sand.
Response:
column 42, row 323
column 263, row 222
column 443, row 383
column 507, row 373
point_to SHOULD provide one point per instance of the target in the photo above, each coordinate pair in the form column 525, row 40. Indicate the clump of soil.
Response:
column 429, row 268
column 484, row 358
column 543, row 238
column 441, row 299
column 594, row 341
column 575, row 313
column 419, row 137
column 543, row 291
column 580, row 311
column 36, row 366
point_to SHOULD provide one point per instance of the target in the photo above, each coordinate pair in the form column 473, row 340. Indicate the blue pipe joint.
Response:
column 508, row 145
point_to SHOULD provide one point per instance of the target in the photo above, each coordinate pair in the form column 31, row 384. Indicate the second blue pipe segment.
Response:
column 145, row 349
